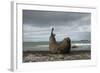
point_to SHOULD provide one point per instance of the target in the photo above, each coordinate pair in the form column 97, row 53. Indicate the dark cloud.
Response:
column 47, row 18
column 73, row 24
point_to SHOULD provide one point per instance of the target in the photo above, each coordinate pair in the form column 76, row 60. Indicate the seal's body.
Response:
column 62, row 47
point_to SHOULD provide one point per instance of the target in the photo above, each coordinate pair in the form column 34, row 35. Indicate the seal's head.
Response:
column 52, row 29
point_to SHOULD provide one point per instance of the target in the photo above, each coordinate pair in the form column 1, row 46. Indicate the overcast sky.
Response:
column 37, row 25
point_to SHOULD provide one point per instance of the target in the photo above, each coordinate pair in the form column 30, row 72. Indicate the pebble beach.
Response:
column 45, row 56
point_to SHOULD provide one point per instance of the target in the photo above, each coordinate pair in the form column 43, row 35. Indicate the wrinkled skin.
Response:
column 62, row 47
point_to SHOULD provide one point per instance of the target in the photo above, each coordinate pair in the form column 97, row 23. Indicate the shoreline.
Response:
column 74, row 48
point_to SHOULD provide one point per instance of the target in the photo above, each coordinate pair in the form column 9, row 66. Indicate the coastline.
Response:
column 74, row 47
column 40, row 53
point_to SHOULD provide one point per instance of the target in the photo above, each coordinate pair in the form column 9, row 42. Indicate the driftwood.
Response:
column 62, row 47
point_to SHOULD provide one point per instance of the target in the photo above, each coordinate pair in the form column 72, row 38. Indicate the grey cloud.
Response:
column 47, row 18
column 37, row 25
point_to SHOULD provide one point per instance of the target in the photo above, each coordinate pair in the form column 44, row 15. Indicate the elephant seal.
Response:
column 52, row 42
column 65, row 46
column 62, row 47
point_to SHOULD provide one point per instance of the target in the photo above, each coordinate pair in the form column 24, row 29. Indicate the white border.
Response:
column 17, row 64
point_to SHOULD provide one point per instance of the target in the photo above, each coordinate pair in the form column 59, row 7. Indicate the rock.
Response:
column 74, row 46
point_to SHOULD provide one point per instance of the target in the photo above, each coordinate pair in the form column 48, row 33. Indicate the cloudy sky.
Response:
column 37, row 25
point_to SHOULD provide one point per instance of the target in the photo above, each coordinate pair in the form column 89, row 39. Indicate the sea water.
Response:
column 44, row 46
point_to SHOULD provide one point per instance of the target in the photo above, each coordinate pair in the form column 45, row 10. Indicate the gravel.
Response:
column 43, row 56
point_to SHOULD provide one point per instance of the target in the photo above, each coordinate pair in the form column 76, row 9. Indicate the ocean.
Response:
column 44, row 46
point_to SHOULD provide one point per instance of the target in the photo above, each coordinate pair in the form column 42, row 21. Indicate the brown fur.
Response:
column 62, row 47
